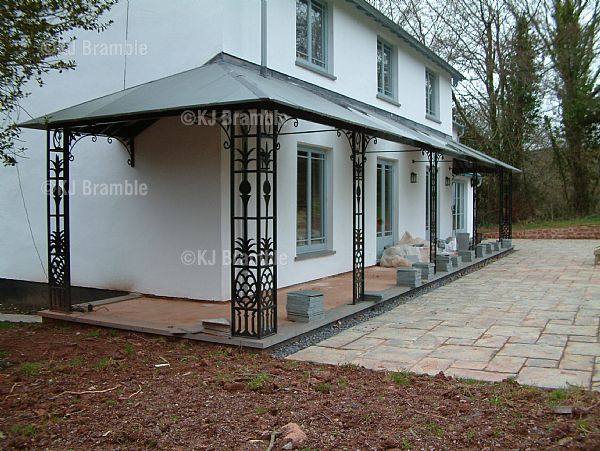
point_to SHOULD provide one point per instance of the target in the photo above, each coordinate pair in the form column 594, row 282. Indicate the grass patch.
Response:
column 104, row 363
column 3, row 354
column 434, row 429
column 323, row 387
column 470, row 381
column 258, row 381
column 217, row 355
column 557, row 224
column 93, row 333
column 29, row 369
column 570, row 394
column 497, row 401
column 401, row 378
column 129, row 349
column 113, row 333
column 260, row 410
column 585, row 426
column 5, row 325
column 76, row 362
column 24, row 430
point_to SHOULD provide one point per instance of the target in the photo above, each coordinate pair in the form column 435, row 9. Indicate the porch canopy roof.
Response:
column 229, row 83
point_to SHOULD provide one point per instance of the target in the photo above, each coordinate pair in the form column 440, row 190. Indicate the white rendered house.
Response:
column 339, row 124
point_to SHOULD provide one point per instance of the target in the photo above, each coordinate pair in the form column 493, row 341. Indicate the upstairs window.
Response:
column 385, row 69
column 311, row 32
column 431, row 95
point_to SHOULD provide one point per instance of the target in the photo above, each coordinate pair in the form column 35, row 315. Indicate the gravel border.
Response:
column 316, row 336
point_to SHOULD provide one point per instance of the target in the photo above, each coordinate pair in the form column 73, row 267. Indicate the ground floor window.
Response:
column 311, row 232
column 459, row 216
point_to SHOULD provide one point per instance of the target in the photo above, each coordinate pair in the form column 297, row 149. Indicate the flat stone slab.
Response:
column 16, row 318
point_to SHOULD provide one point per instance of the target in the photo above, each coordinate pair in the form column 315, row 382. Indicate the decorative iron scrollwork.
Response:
column 358, row 148
column 505, row 206
column 252, row 138
column 127, row 143
column 475, row 182
column 434, row 159
column 58, row 144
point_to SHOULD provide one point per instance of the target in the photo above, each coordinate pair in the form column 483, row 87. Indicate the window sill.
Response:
column 313, row 254
column 388, row 99
column 433, row 118
column 316, row 69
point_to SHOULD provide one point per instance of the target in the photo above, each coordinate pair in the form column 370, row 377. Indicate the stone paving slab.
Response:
column 532, row 315
column 17, row 318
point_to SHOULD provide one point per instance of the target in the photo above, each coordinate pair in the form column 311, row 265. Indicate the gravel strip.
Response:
column 318, row 335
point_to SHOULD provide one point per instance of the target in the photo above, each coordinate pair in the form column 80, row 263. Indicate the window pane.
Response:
column 379, row 67
column 317, row 199
column 302, row 29
column 387, row 70
column 317, row 24
column 388, row 201
column 302, row 201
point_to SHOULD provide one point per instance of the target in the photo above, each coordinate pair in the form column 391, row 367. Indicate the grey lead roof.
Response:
column 227, row 82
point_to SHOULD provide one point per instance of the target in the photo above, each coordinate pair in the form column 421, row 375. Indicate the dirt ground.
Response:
column 71, row 387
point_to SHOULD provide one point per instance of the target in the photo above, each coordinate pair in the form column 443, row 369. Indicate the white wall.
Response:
column 135, row 243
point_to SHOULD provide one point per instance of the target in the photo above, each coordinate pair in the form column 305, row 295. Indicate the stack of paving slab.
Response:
column 305, row 306
column 456, row 260
column 480, row 250
column 427, row 270
column 506, row 244
column 443, row 263
column 467, row 256
column 496, row 246
column 408, row 277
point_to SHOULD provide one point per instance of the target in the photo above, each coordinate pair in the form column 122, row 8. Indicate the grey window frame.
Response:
column 310, row 247
column 432, row 98
column 307, row 61
column 393, row 94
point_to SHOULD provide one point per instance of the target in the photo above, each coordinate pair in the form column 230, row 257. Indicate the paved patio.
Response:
column 532, row 315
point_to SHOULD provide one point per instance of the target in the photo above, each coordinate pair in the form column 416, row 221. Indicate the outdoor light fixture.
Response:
column 413, row 177
column 447, row 181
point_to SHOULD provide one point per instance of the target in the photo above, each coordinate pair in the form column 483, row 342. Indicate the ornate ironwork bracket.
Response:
column 504, row 206
column 358, row 148
column 433, row 158
column 58, row 145
column 253, row 144
column 128, row 144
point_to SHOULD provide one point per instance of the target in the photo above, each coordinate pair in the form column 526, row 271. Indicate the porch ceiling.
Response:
column 226, row 83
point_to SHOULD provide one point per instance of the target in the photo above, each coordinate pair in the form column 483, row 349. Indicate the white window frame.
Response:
column 459, row 215
column 393, row 63
column 307, row 61
column 432, row 95
column 316, row 247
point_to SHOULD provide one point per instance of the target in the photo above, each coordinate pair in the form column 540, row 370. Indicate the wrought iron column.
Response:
column 500, row 203
column 359, row 144
column 434, row 159
column 505, row 206
column 475, row 182
column 253, row 144
column 57, row 206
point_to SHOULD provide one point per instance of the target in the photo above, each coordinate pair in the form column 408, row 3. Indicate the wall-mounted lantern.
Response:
column 413, row 177
column 447, row 181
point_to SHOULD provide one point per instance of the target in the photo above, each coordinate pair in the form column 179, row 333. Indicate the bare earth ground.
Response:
column 70, row 387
